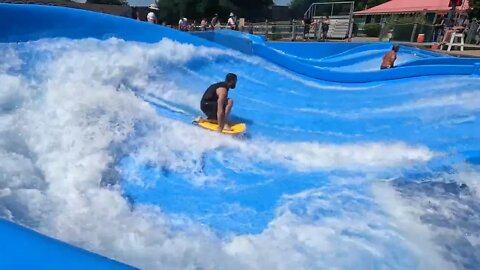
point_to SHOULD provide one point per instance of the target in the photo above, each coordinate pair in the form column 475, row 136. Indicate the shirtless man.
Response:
column 389, row 58
column 215, row 103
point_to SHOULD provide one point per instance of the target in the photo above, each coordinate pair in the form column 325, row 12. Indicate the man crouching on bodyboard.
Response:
column 216, row 105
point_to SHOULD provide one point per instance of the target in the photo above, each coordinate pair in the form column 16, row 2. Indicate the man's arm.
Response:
column 222, row 96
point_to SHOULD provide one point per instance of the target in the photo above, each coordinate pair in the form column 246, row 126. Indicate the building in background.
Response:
column 402, row 8
column 404, row 19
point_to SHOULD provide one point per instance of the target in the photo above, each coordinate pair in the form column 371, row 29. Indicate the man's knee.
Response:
column 230, row 102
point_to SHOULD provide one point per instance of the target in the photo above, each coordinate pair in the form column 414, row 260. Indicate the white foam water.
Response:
column 66, row 120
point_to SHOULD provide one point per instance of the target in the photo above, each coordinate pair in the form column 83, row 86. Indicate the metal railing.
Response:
column 473, row 33
column 317, row 10
column 287, row 30
column 341, row 13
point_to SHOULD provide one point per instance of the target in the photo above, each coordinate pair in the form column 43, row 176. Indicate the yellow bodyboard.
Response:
column 237, row 128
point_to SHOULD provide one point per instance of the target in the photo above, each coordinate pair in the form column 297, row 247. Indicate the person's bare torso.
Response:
column 389, row 59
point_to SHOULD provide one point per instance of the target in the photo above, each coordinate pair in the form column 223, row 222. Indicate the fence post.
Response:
column 294, row 36
column 266, row 29
column 382, row 31
column 412, row 38
column 350, row 23
column 318, row 30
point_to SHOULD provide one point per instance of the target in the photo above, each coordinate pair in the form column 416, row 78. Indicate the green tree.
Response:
column 474, row 8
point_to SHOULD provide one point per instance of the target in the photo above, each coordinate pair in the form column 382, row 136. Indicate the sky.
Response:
column 140, row 3
column 281, row 2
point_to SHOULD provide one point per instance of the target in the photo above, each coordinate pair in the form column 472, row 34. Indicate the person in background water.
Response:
column 390, row 58
column 204, row 24
column 151, row 16
column 325, row 27
column 214, row 21
column 215, row 103
column 231, row 21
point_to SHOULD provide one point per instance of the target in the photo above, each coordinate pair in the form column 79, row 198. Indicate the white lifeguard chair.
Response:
column 453, row 40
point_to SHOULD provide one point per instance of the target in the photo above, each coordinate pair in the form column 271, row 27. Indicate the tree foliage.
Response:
column 475, row 8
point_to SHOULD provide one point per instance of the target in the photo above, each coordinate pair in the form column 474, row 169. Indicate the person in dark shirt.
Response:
column 215, row 103
column 325, row 28
column 438, row 28
column 307, row 21
column 214, row 21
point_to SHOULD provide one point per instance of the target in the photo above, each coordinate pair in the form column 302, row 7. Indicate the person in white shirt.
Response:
column 183, row 24
column 231, row 21
column 151, row 17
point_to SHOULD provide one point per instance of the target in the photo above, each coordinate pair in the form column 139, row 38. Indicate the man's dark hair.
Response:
column 230, row 77
column 396, row 48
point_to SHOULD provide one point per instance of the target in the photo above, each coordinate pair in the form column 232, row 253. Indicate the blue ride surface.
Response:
column 336, row 156
column 26, row 249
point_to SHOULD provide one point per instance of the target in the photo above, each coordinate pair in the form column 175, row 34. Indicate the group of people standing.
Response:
column 232, row 23
column 445, row 26
column 315, row 25
column 185, row 25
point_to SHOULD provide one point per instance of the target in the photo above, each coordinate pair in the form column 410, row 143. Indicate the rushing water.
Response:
column 97, row 149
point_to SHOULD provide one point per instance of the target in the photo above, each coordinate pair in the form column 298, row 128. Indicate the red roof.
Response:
column 410, row 6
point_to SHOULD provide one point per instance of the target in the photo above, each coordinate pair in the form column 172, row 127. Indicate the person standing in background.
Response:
column 204, row 24
column 137, row 15
column 183, row 24
column 325, row 27
column 214, row 21
column 307, row 21
column 151, row 16
column 231, row 21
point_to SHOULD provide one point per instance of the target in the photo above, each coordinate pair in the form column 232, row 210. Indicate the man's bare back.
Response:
column 390, row 58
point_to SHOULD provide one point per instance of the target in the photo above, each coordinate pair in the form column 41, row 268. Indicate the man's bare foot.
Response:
column 199, row 120
column 227, row 127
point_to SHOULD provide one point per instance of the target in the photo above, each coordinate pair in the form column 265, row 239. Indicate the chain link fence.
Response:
column 411, row 31
column 473, row 33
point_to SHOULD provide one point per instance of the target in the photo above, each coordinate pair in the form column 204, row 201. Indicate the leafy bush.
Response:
column 372, row 29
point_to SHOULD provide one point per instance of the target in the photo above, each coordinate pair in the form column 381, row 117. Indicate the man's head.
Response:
column 231, row 80
column 395, row 48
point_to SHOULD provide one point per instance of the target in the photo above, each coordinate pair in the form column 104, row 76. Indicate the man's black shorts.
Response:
column 210, row 109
